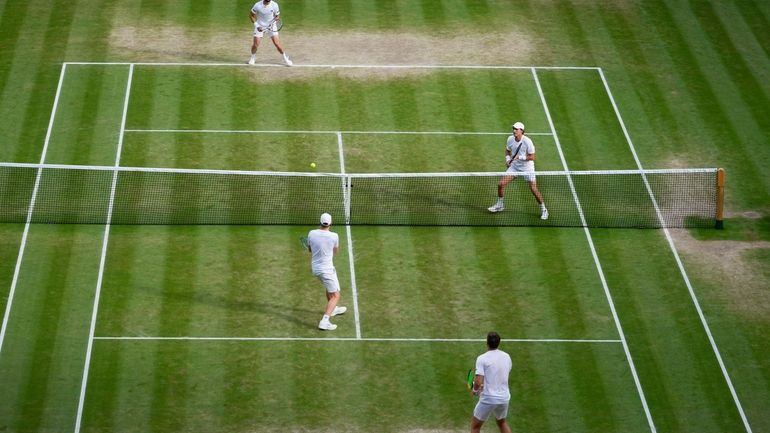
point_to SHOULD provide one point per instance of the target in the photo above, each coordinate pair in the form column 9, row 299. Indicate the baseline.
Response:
column 342, row 66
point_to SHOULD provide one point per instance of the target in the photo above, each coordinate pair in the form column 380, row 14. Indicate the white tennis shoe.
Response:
column 339, row 310
column 544, row 214
column 252, row 60
column 496, row 208
column 326, row 325
column 286, row 60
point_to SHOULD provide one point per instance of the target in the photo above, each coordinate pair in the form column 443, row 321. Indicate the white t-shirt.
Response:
column 322, row 244
column 265, row 14
column 494, row 365
column 527, row 148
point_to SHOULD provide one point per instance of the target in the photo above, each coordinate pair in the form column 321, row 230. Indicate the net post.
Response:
column 720, row 199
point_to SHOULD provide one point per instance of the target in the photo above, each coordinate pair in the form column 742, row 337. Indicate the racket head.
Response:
column 277, row 25
column 303, row 242
column 469, row 379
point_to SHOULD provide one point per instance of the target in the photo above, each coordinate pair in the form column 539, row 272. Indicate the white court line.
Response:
column 24, row 235
column 351, row 261
column 675, row 252
column 341, row 66
column 384, row 339
column 267, row 131
column 103, row 258
column 589, row 238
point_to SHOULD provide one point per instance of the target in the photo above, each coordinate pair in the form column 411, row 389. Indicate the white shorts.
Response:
column 530, row 172
column 329, row 280
column 482, row 411
column 266, row 32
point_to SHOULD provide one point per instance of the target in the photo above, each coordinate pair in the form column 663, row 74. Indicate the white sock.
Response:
column 325, row 318
column 499, row 201
column 254, row 56
column 542, row 206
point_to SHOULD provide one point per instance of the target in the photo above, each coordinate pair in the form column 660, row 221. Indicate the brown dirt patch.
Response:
column 158, row 43
column 744, row 288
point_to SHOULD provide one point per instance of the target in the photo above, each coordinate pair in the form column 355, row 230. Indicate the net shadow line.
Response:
column 597, row 262
column 30, row 209
column 677, row 258
column 103, row 257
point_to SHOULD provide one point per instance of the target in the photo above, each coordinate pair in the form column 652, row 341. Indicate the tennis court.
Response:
column 212, row 328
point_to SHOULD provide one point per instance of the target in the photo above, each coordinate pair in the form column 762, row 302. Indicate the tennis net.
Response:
column 52, row 193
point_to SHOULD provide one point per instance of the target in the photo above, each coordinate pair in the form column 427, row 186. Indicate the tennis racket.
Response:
column 274, row 26
column 303, row 242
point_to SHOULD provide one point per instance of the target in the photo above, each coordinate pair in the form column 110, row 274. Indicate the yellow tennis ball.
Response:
column 312, row 165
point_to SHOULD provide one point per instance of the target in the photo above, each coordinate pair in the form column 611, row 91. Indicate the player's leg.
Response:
column 332, row 285
column 255, row 46
column 538, row 197
column 501, row 412
column 480, row 414
column 278, row 46
column 503, row 426
column 500, row 205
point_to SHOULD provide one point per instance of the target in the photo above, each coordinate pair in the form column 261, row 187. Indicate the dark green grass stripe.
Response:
column 14, row 14
column 388, row 15
column 752, row 91
column 636, row 56
column 673, row 356
column 44, row 80
column 537, row 407
column 175, row 318
column 34, row 396
column 704, row 95
column 757, row 22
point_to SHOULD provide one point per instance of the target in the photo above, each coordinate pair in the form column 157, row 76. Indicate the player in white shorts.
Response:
column 323, row 245
column 491, row 385
column 520, row 158
column 262, row 15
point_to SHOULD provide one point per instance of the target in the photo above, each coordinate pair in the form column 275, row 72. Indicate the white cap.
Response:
column 518, row 125
column 326, row 219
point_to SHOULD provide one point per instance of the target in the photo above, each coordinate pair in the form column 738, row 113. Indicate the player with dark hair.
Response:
column 491, row 385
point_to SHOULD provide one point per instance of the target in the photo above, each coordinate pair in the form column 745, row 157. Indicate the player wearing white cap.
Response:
column 262, row 15
column 323, row 245
column 520, row 158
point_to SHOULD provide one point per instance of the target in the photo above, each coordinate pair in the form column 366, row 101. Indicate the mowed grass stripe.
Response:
column 755, row 188
column 24, row 121
column 44, row 347
column 87, row 124
column 673, row 357
column 583, row 117
column 757, row 23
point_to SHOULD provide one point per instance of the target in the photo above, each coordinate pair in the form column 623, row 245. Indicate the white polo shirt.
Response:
column 322, row 244
column 265, row 14
column 527, row 148
column 494, row 365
